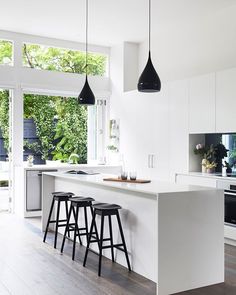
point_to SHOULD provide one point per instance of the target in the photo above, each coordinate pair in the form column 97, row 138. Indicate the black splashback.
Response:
column 213, row 139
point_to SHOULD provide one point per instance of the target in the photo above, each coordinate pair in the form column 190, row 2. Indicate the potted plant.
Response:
column 210, row 166
column 73, row 159
column 201, row 150
column 30, row 160
column 220, row 154
column 206, row 153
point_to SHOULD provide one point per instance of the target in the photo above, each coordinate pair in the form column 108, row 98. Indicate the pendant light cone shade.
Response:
column 86, row 96
column 149, row 81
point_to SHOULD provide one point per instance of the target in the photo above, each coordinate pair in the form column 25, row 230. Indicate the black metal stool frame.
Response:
column 100, row 241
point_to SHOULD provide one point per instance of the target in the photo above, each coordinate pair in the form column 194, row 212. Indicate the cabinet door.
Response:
column 202, row 104
column 33, row 191
column 226, row 101
column 178, row 130
column 195, row 180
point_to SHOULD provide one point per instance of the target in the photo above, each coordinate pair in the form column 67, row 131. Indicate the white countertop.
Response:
column 66, row 166
column 209, row 175
column 154, row 188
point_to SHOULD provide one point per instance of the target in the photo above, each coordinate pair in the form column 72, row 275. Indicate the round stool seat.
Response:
column 57, row 193
column 106, row 206
column 61, row 196
column 81, row 199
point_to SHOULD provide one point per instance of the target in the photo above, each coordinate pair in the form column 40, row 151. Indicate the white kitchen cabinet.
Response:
column 195, row 180
column 226, row 101
column 148, row 134
column 202, row 104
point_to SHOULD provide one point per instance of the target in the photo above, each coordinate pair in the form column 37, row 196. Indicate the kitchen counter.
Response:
column 27, row 184
column 169, row 229
column 153, row 188
column 209, row 175
column 65, row 166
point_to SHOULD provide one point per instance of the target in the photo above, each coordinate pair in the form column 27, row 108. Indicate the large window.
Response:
column 55, row 128
column 63, row 60
column 6, row 53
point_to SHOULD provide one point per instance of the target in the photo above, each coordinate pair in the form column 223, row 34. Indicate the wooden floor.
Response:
column 30, row 267
column 229, row 287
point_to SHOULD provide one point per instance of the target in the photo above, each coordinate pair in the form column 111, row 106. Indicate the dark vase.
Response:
column 228, row 170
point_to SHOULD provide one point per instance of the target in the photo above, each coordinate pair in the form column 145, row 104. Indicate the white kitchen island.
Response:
column 174, row 233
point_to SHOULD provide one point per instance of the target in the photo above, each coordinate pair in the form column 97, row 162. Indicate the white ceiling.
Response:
column 111, row 21
column 187, row 31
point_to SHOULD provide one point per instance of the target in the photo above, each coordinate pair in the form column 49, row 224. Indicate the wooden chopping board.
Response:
column 127, row 180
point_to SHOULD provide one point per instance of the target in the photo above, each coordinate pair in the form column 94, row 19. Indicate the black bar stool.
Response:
column 58, row 197
column 104, row 209
column 76, row 204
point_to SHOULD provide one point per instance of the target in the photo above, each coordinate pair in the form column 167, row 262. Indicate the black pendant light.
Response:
column 149, row 80
column 86, row 96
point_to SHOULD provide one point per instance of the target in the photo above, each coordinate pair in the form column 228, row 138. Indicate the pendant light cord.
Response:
column 149, row 26
column 86, row 61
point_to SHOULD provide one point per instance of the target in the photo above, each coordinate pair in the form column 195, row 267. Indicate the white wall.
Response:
column 144, row 123
column 155, row 123
column 196, row 43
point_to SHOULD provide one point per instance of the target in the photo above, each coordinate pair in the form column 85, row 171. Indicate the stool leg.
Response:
column 95, row 225
column 86, row 223
column 48, row 222
column 57, row 220
column 100, row 245
column 89, row 238
column 76, row 225
column 123, row 240
column 75, row 230
column 111, row 236
column 67, row 214
column 66, row 229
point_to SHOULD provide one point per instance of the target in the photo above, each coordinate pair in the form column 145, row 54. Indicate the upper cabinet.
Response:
column 202, row 104
column 226, row 101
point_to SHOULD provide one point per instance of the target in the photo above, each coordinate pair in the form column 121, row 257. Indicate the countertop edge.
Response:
column 130, row 188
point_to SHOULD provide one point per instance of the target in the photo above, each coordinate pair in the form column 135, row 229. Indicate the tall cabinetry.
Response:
column 226, row 101
column 178, row 120
column 202, row 104
column 212, row 102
